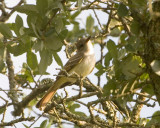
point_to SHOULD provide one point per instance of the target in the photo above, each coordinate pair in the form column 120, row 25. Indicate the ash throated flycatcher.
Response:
column 82, row 64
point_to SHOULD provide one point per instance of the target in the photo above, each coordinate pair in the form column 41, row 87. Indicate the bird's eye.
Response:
column 81, row 45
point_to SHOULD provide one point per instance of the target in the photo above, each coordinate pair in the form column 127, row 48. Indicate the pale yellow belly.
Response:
column 85, row 66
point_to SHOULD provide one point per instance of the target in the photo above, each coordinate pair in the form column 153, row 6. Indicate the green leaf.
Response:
column 25, row 125
column 27, row 74
column 19, row 24
column 58, row 24
column 99, row 66
column 1, row 40
column 43, row 124
column 55, row 4
column 115, row 32
column 32, row 19
column 110, row 87
column 144, row 77
column 123, row 38
column 2, row 67
column 131, row 44
column 46, row 60
column 130, row 48
column 107, row 59
column 50, row 122
column 5, row 30
column 80, row 4
column 20, row 46
column 89, row 25
column 117, row 70
column 38, row 45
column 28, row 9
column 18, row 49
column 74, row 15
column 156, row 116
column 149, row 89
column 19, row 21
column 122, row 10
column 50, row 31
column 63, row 34
column 42, row 6
column 100, row 72
column 130, row 66
column 57, row 59
column 155, row 65
column 112, row 48
column 72, row 108
column 121, row 54
column 35, row 30
column 32, row 102
column 2, row 51
column 32, row 60
column 135, row 28
column 53, row 42
column 155, row 120
column 2, row 110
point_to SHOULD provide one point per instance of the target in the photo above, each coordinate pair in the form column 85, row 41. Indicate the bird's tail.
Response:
column 48, row 96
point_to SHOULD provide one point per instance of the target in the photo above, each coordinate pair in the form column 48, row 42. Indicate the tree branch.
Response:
column 21, row 105
column 17, row 121
column 12, row 94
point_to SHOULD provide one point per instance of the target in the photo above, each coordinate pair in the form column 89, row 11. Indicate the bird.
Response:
column 81, row 64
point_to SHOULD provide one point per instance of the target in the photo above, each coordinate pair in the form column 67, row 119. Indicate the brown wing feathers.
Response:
column 73, row 61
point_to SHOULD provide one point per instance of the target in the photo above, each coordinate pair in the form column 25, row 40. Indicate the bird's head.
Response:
column 83, row 44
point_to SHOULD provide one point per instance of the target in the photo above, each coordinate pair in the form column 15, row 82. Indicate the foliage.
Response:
column 129, row 60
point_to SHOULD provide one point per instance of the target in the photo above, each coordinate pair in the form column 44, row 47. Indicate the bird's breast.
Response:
column 85, row 66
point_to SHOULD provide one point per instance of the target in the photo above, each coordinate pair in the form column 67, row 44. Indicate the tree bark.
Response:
column 152, row 47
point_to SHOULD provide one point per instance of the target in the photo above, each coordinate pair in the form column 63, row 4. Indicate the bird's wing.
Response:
column 72, row 62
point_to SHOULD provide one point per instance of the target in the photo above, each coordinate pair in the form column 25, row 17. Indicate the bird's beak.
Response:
column 88, row 39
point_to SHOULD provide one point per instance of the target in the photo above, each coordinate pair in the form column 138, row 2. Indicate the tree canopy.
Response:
column 129, row 59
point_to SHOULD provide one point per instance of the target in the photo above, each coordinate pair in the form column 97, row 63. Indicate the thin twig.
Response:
column 5, row 16
column 36, row 120
column 98, row 19
column 54, row 110
column 125, row 26
column 4, row 112
column 17, row 121
column 98, row 110
column 11, row 90
column 32, row 76
column 86, row 8
column 81, row 87
column 108, row 22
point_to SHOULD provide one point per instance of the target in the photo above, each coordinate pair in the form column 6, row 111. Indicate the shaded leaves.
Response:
column 5, row 30
column 122, row 10
column 89, row 25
